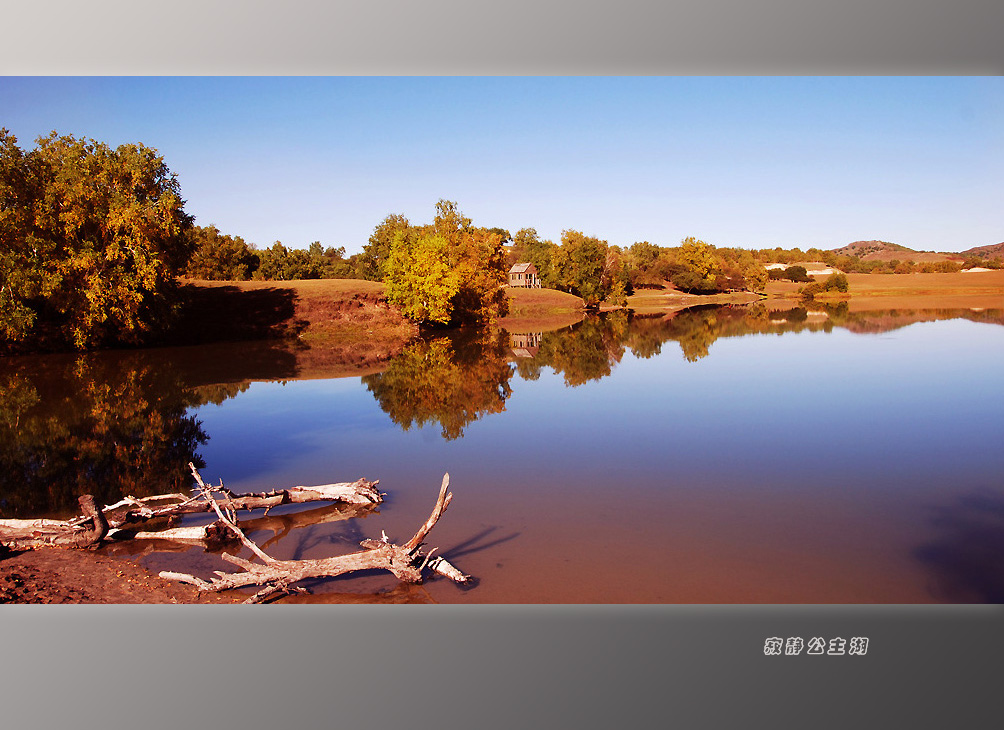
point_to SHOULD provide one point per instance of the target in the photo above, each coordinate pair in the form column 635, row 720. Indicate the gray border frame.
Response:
column 518, row 37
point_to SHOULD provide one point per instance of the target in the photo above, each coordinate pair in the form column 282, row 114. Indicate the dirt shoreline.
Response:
column 61, row 575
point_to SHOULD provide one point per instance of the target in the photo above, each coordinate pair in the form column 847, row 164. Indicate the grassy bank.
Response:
column 913, row 291
column 647, row 301
column 326, row 312
column 335, row 326
column 541, row 310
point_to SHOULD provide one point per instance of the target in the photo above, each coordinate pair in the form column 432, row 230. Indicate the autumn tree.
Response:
column 92, row 238
column 641, row 265
column 419, row 278
column 701, row 267
column 448, row 271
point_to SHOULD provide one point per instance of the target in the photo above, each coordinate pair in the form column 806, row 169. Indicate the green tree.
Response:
column 279, row 263
column 373, row 260
column 797, row 274
column 92, row 238
column 528, row 247
column 219, row 257
column 581, row 265
column 836, row 282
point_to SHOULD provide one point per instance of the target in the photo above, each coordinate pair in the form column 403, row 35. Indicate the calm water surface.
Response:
column 721, row 455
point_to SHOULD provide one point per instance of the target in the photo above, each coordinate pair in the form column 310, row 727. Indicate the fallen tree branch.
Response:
column 407, row 562
column 55, row 533
column 216, row 533
column 19, row 534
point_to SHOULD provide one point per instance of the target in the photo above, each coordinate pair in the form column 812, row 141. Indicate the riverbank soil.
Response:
column 58, row 575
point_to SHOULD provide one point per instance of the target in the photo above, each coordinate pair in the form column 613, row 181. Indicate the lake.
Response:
column 718, row 455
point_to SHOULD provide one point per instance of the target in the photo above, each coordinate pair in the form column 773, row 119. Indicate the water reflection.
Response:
column 456, row 380
column 580, row 353
column 77, row 427
column 450, row 380
column 113, row 424
column 967, row 560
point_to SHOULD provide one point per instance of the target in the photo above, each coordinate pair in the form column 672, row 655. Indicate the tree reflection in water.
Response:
column 106, row 426
column 459, row 378
column 451, row 380
column 113, row 424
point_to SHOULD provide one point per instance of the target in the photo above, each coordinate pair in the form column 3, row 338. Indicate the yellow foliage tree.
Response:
column 448, row 271
column 91, row 238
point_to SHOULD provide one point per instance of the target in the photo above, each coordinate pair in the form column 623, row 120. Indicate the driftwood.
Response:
column 360, row 492
column 111, row 522
column 30, row 534
column 407, row 562
column 212, row 536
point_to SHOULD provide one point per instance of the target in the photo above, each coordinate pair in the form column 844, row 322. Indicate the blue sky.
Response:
column 751, row 162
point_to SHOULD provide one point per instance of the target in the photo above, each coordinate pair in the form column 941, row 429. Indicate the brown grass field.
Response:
column 868, row 292
column 980, row 289
column 337, row 326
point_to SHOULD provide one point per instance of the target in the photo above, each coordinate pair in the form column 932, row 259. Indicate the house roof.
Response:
column 521, row 268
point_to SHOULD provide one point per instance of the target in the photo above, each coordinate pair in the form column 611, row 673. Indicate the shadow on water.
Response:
column 476, row 543
column 967, row 561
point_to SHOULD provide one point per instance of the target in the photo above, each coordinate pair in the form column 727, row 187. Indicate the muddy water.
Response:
column 716, row 456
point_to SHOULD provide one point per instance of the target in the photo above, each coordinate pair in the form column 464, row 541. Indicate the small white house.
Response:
column 524, row 275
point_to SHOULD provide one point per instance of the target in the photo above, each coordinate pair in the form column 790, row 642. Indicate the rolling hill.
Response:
column 885, row 251
column 993, row 251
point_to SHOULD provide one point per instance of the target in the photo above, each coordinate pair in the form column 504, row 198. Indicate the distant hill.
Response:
column 993, row 251
column 885, row 251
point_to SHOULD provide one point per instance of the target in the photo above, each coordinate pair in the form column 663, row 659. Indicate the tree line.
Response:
column 220, row 257
column 94, row 239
